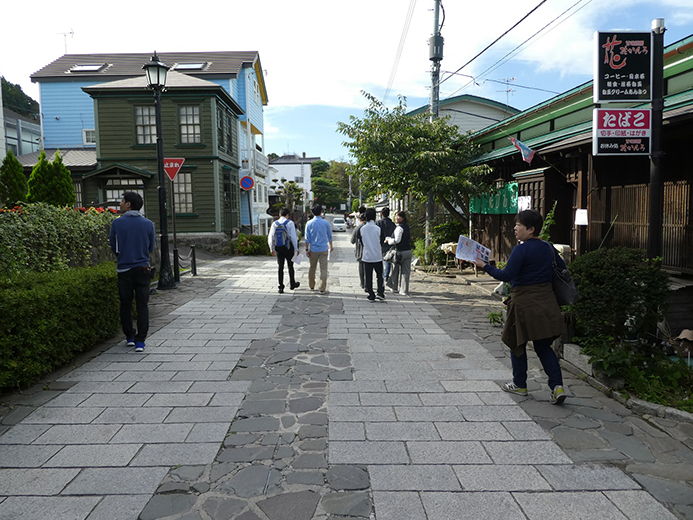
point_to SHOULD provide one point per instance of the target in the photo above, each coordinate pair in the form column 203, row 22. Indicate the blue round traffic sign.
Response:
column 247, row 183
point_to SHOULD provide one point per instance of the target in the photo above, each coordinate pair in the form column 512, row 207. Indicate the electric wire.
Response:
column 400, row 48
column 509, row 54
column 494, row 41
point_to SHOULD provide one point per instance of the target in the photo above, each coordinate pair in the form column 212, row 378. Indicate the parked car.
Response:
column 338, row 224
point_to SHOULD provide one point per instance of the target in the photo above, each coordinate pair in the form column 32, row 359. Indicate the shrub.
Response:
column 49, row 318
column 41, row 237
column 12, row 181
column 622, row 294
column 248, row 245
column 51, row 182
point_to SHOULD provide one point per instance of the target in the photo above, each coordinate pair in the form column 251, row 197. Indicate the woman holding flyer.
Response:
column 533, row 313
column 399, row 277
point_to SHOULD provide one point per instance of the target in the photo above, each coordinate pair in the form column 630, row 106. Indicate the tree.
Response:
column 290, row 194
column 51, row 182
column 14, row 98
column 12, row 181
column 319, row 168
column 410, row 155
column 272, row 156
column 328, row 192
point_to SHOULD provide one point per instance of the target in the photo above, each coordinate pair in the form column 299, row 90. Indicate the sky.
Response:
column 318, row 56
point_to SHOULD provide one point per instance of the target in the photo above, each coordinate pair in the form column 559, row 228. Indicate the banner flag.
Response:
column 526, row 151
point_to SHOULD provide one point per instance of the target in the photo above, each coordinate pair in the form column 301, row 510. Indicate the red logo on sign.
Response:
column 172, row 167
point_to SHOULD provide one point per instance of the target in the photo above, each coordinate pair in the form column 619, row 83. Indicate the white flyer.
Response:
column 470, row 250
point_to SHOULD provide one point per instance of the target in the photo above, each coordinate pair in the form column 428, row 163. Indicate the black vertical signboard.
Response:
column 623, row 67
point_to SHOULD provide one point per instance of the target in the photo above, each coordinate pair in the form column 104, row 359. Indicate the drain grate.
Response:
column 455, row 355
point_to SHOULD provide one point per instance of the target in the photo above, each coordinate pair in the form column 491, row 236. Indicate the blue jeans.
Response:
column 548, row 360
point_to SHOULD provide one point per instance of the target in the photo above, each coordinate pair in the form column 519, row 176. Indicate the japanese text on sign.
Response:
column 621, row 131
column 623, row 68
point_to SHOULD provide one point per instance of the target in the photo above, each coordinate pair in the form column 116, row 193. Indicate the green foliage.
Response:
column 435, row 255
column 410, row 155
column 14, row 98
column 248, row 245
column 622, row 294
column 549, row 221
column 290, row 194
column 51, row 182
column 41, row 237
column 328, row 192
column 49, row 318
column 12, row 181
column 663, row 381
column 319, row 168
column 495, row 318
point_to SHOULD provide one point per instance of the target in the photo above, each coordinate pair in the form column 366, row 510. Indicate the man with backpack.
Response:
column 388, row 228
column 283, row 242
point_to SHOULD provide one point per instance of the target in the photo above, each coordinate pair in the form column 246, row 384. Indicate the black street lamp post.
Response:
column 156, row 80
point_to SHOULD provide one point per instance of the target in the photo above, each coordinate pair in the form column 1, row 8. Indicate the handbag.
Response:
column 563, row 284
column 390, row 255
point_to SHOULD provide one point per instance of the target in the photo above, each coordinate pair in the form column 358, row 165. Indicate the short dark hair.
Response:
column 402, row 215
column 386, row 212
column 370, row 214
column 284, row 212
column 530, row 218
column 135, row 200
column 362, row 209
column 316, row 210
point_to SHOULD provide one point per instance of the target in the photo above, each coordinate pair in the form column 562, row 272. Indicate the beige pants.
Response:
column 316, row 258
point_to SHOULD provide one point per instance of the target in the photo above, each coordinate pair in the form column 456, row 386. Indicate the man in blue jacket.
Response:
column 132, row 240
column 318, row 246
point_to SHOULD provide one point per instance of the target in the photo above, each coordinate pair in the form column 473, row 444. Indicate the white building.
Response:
column 298, row 169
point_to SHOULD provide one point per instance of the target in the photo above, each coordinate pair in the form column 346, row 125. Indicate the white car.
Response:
column 338, row 224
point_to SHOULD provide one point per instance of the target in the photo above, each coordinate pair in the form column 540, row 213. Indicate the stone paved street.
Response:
column 252, row 405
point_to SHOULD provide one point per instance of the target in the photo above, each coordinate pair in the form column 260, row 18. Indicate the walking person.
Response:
column 372, row 259
column 399, row 277
column 283, row 242
column 533, row 312
column 388, row 228
column 358, row 250
column 318, row 247
column 132, row 239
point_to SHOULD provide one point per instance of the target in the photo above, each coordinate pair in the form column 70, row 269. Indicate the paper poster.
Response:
column 470, row 250
column 581, row 217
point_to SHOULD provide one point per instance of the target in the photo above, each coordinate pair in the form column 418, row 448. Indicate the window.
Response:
column 229, row 134
column 145, row 125
column 79, row 199
column 220, row 128
column 116, row 187
column 190, row 66
column 190, row 130
column 183, row 196
column 256, row 91
column 89, row 136
column 299, row 179
column 88, row 67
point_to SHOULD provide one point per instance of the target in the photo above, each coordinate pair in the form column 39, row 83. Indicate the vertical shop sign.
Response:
column 623, row 67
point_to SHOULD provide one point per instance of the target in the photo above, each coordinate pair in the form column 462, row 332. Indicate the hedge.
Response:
column 47, row 319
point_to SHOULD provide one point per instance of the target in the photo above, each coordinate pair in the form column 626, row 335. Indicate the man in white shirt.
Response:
column 372, row 257
column 283, row 242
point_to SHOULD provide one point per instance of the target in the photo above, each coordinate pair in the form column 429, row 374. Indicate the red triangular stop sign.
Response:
column 172, row 167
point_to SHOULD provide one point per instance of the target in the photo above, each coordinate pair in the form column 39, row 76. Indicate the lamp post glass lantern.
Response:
column 156, row 80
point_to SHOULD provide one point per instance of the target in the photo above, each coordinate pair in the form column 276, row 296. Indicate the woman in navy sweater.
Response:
column 533, row 312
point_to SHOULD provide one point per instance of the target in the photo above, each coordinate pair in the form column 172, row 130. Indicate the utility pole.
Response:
column 435, row 49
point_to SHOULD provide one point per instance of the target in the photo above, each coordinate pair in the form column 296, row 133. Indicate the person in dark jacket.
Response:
column 533, row 312
column 399, row 278
column 388, row 228
column 132, row 239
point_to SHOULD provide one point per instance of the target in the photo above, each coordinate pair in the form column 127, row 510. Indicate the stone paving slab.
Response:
column 249, row 405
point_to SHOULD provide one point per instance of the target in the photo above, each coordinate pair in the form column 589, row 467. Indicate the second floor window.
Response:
column 190, row 131
column 145, row 125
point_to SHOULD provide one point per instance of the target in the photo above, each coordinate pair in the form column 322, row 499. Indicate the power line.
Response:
column 398, row 56
column 494, row 41
column 507, row 56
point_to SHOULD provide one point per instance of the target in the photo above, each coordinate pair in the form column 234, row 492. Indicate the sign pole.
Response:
column 656, row 195
column 176, row 262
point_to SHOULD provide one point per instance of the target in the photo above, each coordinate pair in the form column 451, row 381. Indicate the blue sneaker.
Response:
column 131, row 342
column 139, row 346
